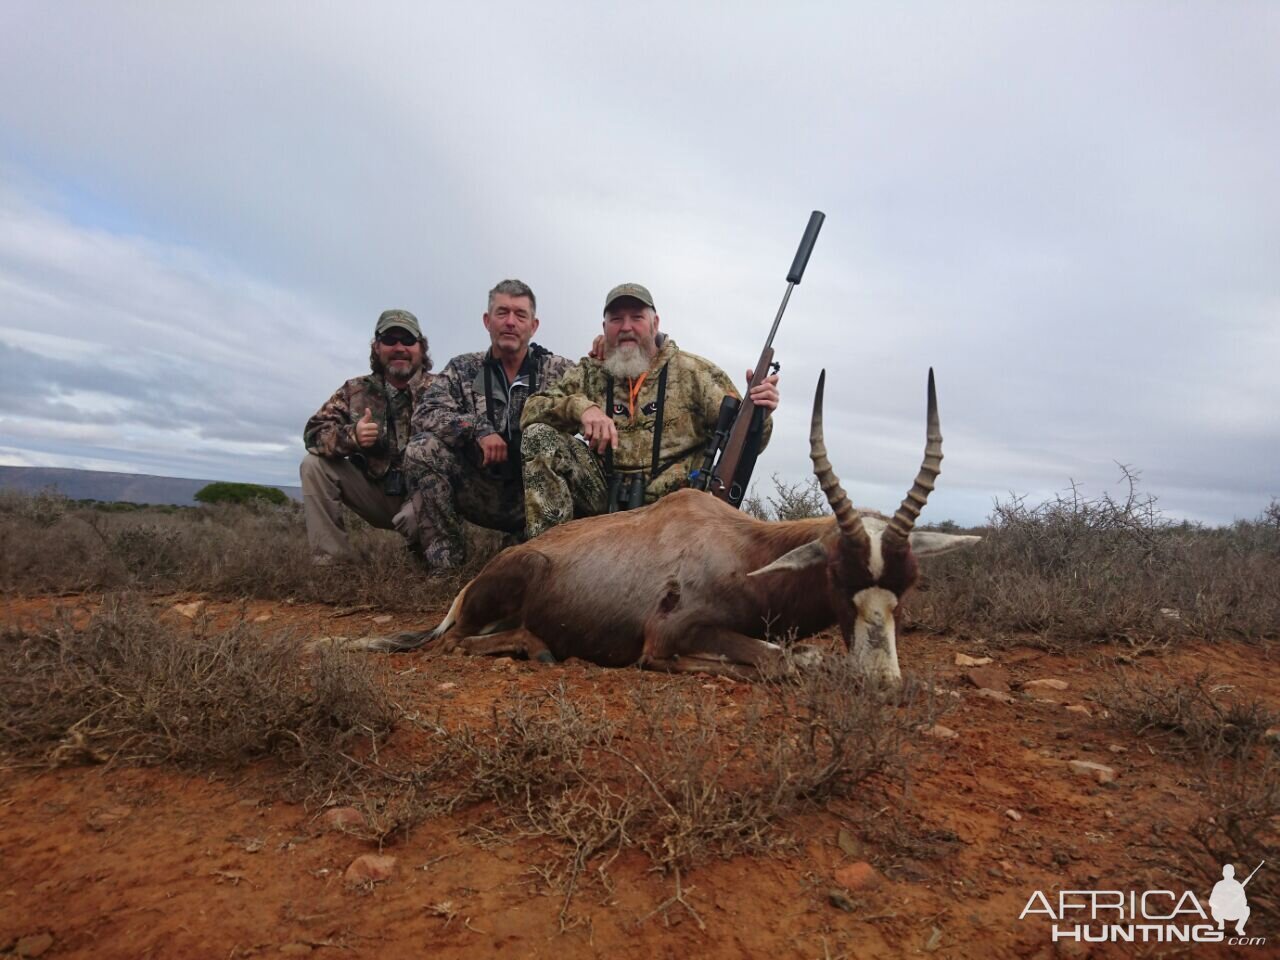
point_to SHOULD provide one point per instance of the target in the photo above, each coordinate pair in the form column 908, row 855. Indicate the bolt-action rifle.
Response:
column 733, row 448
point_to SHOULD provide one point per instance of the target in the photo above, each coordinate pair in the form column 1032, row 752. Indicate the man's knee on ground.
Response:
column 540, row 439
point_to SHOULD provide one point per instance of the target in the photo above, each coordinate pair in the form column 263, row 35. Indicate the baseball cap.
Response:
column 629, row 290
column 398, row 318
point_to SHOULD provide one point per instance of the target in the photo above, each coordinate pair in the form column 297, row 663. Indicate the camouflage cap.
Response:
column 398, row 318
column 633, row 290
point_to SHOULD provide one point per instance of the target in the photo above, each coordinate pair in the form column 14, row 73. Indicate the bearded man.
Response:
column 356, row 442
column 646, row 412
column 464, row 457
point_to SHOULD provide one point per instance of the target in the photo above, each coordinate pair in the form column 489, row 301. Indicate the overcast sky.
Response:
column 1069, row 210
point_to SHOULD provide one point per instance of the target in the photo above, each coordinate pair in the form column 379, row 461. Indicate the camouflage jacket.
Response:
column 332, row 431
column 695, row 388
column 461, row 407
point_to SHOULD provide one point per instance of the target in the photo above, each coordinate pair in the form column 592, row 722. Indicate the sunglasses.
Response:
column 390, row 339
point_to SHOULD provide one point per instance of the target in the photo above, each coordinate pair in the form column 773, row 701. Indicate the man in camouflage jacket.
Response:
column 356, row 441
column 464, row 456
column 565, row 478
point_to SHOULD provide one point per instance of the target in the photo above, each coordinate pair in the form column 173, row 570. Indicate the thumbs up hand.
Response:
column 366, row 429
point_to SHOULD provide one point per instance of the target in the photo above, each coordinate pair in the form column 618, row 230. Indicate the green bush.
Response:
column 241, row 493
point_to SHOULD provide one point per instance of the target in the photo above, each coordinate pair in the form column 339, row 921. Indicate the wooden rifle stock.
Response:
column 732, row 472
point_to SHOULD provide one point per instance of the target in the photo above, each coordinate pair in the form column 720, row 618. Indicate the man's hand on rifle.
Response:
column 764, row 394
column 493, row 449
column 598, row 430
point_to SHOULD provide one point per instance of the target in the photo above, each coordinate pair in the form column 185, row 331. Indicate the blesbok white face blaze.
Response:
column 875, row 647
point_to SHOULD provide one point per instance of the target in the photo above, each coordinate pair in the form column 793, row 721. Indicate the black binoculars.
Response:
column 626, row 491
column 393, row 483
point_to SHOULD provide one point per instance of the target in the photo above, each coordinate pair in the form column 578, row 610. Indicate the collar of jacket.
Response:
column 531, row 357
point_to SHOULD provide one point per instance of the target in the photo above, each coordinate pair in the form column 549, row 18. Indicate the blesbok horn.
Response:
column 899, row 528
column 849, row 519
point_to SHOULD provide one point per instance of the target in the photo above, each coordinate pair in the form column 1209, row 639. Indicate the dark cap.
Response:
column 633, row 290
column 398, row 318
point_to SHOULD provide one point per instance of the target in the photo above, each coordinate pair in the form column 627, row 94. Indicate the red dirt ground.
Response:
column 114, row 861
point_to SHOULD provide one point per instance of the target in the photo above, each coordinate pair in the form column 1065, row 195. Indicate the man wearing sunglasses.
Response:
column 464, row 457
column 356, row 441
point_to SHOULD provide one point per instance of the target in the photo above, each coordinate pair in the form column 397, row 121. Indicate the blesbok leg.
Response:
column 700, row 648
column 507, row 642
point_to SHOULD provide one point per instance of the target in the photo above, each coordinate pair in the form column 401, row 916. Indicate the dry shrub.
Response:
column 254, row 550
column 1224, row 744
column 790, row 501
column 1240, row 823
column 133, row 687
column 1198, row 719
column 673, row 773
column 1102, row 568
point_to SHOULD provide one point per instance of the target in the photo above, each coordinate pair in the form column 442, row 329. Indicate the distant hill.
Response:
column 110, row 487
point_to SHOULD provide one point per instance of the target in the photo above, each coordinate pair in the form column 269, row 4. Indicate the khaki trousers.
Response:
column 328, row 483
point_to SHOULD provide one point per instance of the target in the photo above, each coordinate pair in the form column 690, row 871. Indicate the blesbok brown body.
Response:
column 691, row 583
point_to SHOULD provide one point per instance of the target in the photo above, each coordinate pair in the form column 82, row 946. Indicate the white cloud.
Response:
column 1067, row 210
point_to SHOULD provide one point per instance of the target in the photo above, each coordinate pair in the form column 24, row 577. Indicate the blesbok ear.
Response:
column 808, row 555
column 927, row 543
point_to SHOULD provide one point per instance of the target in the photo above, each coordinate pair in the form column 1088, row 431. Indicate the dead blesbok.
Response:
column 690, row 583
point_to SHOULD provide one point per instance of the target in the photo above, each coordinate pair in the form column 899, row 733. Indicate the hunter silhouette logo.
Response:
column 1149, row 916
column 1228, row 900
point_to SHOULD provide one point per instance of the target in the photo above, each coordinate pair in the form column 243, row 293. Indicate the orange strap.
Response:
column 635, row 392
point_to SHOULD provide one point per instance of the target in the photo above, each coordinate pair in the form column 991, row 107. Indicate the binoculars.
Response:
column 626, row 491
column 393, row 483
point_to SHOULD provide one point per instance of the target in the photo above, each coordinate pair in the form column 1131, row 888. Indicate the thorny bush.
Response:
column 1104, row 568
column 133, row 687
column 1227, row 744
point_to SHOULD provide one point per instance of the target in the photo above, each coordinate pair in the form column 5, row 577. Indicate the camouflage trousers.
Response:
column 563, row 479
column 447, row 486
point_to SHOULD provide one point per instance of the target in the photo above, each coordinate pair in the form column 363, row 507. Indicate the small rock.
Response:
column 934, row 941
column 845, row 841
column 342, row 818
column 1013, row 815
column 34, row 945
column 938, row 732
column 383, row 618
column 447, row 685
column 102, row 819
column 858, row 876
column 190, row 610
column 838, row 900
column 999, row 695
column 963, row 660
column 989, row 678
column 1046, row 684
column 1006, row 866
column 995, row 873
column 262, row 618
column 1099, row 772
column 1028, row 743
column 1079, row 708
column 370, row 868
column 1273, row 734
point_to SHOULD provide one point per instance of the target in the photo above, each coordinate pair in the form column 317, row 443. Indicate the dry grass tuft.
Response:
column 1102, row 568
column 1223, row 742
column 674, row 773
column 134, row 688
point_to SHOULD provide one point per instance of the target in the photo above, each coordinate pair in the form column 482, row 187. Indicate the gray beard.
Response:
column 626, row 363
